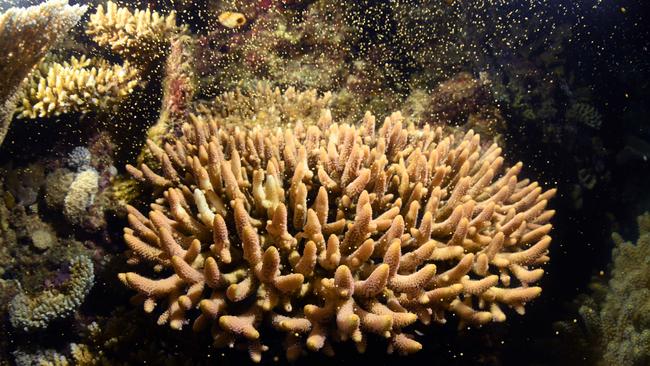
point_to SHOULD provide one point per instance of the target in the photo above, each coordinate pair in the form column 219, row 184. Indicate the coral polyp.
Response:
column 332, row 232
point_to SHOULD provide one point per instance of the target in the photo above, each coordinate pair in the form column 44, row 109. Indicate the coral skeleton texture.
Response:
column 334, row 232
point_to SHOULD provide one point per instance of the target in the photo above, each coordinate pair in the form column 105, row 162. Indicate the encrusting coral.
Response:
column 140, row 36
column 331, row 232
column 80, row 85
column 29, row 312
column 26, row 34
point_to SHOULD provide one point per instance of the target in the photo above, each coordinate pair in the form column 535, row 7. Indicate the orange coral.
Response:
column 334, row 232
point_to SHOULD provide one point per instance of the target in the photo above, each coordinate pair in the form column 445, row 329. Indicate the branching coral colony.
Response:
column 26, row 34
column 327, row 232
column 333, row 232
column 80, row 85
column 84, row 85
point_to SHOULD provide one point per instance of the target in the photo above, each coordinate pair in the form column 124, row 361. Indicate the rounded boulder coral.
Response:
column 334, row 232
column 80, row 196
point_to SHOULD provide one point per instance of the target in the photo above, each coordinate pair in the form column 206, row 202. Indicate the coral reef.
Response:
column 456, row 98
column 44, row 272
column 180, row 80
column 80, row 195
column 24, row 184
column 80, row 85
column 79, row 355
column 307, row 48
column 8, row 289
column 140, row 36
column 584, row 113
column 179, row 88
column 80, row 186
column 30, row 312
column 79, row 158
column 615, row 317
column 40, row 357
column 334, row 232
column 265, row 106
column 26, row 34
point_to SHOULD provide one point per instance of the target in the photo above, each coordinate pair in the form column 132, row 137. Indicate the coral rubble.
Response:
column 334, row 232
column 26, row 34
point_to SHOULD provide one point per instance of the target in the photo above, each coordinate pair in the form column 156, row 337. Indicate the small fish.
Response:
column 231, row 19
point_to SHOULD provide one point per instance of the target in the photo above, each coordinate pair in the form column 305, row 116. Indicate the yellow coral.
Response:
column 26, row 34
column 139, row 36
column 80, row 85
column 331, row 232
column 83, row 355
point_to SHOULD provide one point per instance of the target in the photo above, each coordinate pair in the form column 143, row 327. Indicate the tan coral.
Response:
column 266, row 106
column 140, row 36
column 80, row 85
column 335, row 233
column 26, row 35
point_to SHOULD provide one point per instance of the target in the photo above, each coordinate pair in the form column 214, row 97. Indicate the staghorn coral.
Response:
column 80, row 85
column 31, row 312
column 26, row 34
column 333, row 233
column 139, row 37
